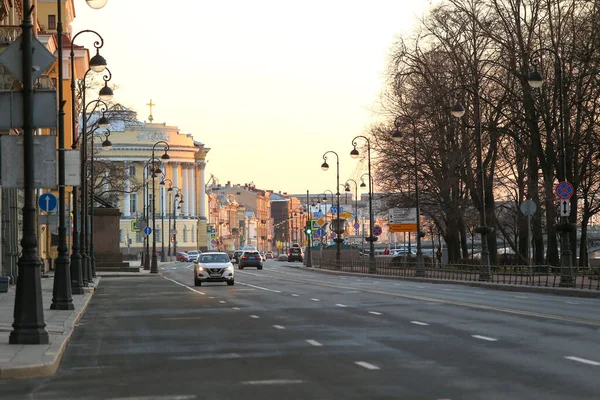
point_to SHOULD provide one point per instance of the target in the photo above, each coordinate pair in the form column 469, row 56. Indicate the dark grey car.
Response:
column 251, row 259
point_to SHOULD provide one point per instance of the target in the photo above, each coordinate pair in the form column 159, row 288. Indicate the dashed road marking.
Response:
column 315, row 300
column 314, row 342
column 521, row 297
column 341, row 305
column 486, row 338
column 222, row 302
column 571, row 302
column 374, row 313
column 235, row 308
column 419, row 323
column 278, row 327
column 273, row 382
column 583, row 360
column 254, row 316
column 295, row 295
column 367, row 365
column 185, row 286
column 259, row 287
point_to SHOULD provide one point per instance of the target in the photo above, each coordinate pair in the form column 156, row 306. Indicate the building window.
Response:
column 132, row 170
column 51, row 22
column 133, row 203
column 121, row 237
column 193, row 240
column 185, row 234
column 138, row 237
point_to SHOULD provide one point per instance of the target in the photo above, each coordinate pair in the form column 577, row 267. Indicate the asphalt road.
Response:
column 296, row 334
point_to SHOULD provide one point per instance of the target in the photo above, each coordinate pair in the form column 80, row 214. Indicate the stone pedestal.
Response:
column 106, row 241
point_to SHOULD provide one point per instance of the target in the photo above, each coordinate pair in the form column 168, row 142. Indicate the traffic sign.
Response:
column 565, row 208
column 320, row 232
column 356, row 225
column 528, row 207
column 333, row 210
column 47, row 202
column 564, row 190
column 174, row 231
column 345, row 215
column 377, row 230
column 12, row 60
column 147, row 231
column 402, row 219
column 398, row 228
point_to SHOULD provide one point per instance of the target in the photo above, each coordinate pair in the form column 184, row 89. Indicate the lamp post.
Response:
column 338, row 229
column 162, row 220
column 149, row 168
column 371, row 239
column 397, row 137
column 28, row 326
column 347, row 189
column 89, row 272
column 106, row 145
column 165, row 156
column 176, row 206
column 458, row 111
column 536, row 80
column 97, row 64
column 309, row 262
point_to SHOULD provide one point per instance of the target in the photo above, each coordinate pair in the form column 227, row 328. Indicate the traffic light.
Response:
column 308, row 231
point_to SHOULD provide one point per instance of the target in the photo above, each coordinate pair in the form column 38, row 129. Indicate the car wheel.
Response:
column 260, row 267
column 289, row 260
column 230, row 283
column 240, row 267
column 197, row 282
column 301, row 259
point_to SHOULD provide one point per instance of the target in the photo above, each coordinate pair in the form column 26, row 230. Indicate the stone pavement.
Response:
column 29, row 361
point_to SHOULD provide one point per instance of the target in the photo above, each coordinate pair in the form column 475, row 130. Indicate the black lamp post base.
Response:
column 62, row 305
column 77, row 290
column 29, row 336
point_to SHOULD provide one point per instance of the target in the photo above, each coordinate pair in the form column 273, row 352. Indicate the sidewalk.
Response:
column 136, row 263
column 30, row 361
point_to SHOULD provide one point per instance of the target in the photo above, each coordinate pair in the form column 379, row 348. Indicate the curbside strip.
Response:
column 584, row 293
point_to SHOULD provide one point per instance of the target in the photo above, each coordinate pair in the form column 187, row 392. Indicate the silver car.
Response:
column 193, row 255
column 213, row 267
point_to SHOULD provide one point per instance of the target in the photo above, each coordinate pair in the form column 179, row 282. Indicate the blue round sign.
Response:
column 147, row 230
column 564, row 190
column 356, row 225
column 47, row 202
column 377, row 230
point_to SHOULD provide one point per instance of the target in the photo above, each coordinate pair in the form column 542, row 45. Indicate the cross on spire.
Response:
column 150, row 118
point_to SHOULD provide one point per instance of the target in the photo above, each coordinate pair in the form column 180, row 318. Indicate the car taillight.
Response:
column 244, row 256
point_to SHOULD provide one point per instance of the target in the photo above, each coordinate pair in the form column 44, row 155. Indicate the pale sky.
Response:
column 268, row 85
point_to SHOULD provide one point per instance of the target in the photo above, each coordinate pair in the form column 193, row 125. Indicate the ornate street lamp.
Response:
column 397, row 137
column 165, row 156
column 338, row 228
column 372, row 238
column 347, row 189
column 536, row 80
column 162, row 218
column 458, row 111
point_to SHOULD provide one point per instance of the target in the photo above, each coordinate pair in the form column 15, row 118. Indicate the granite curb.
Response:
column 584, row 293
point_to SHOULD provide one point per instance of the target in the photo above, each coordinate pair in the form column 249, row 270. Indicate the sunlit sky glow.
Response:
column 268, row 85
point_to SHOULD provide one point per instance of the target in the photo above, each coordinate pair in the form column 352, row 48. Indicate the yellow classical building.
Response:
column 178, row 217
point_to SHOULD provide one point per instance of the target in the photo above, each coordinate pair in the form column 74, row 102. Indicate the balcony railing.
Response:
column 9, row 33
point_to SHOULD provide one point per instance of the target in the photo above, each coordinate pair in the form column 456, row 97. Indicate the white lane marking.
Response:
column 278, row 327
column 211, row 297
column 295, row 295
column 583, row 360
column 314, row 342
column 521, row 297
column 222, row 302
column 235, row 308
column 315, row 300
column 367, row 365
column 374, row 313
column 489, row 339
column 254, row 316
column 419, row 323
column 261, row 288
column 272, row 382
column 571, row 302
column 185, row 286
column 190, row 267
column 341, row 305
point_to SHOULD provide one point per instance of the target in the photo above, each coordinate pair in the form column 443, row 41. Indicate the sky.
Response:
column 268, row 85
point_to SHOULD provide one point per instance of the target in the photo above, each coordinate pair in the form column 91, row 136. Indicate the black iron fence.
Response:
column 539, row 275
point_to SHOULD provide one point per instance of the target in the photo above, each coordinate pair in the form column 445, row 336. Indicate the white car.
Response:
column 193, row 255
column 213, row 267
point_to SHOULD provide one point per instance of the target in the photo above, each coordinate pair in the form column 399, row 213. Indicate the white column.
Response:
column 127, row 188
column 186, row 189
column 193, row 187
column 202, row 196
column 175, row 180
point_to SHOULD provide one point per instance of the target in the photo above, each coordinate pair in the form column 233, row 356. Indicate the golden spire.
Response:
column 150, row 118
